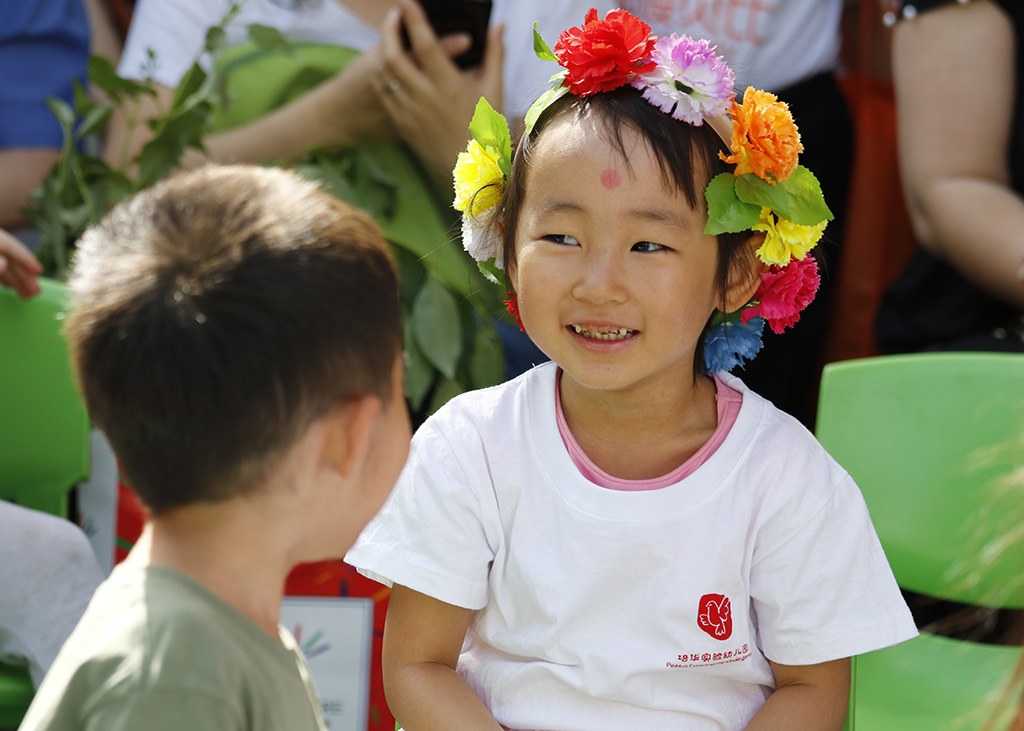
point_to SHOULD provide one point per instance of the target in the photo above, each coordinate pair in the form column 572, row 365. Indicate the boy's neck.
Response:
column 233, row 550
column 635, row 438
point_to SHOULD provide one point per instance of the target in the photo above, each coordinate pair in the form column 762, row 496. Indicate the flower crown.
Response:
column 767, row 192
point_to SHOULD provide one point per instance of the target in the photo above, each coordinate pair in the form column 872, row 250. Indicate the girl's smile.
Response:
column 615, row 282
column 588, row 332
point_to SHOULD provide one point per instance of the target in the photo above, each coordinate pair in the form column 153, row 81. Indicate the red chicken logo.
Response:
column 715, row 616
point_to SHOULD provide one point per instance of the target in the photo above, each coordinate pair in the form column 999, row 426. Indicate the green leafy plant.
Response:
column 451, row 343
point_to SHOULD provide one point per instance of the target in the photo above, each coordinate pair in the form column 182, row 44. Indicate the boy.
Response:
column 236, row 333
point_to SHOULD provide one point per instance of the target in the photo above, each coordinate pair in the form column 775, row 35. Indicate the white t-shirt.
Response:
column 769, row 45
column 175, row 30
column 604, row 609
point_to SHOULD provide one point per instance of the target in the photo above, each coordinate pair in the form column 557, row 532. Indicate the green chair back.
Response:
column 16, row 693
column 44, row 432
column 44, row 428
column 933, row 441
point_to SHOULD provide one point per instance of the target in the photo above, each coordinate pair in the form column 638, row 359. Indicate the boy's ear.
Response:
column 349, row 427
column 744, row 274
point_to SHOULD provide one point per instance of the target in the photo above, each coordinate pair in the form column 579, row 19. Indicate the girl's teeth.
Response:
column 621, row 334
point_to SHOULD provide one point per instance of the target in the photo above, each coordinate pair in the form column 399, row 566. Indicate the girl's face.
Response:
column 615, row 275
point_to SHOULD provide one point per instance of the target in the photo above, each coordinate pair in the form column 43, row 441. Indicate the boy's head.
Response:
column 218, row 314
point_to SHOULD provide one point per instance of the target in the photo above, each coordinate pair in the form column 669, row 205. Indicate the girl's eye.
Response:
column 646, row 246
column 564, row 239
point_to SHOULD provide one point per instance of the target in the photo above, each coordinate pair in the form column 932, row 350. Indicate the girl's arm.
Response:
column 422, row 640
column 954, row 158
column 806, row 697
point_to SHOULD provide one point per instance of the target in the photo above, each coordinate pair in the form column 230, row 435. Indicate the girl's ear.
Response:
column 744, row 274
column 510, row 275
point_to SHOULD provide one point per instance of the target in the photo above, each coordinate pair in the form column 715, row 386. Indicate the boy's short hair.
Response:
column 216, row 315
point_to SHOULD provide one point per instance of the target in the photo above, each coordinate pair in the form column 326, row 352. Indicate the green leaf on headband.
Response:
column 726, row 212
column 541, row 48
column 544, row 101
column 797, row 199
column 490, row 128
column 492, row 272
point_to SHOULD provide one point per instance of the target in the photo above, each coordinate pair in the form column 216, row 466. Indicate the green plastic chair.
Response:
column 44, row 432
column 44, row 428
column 930, row 440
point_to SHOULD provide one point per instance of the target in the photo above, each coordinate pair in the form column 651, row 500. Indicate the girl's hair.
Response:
column 687, row 156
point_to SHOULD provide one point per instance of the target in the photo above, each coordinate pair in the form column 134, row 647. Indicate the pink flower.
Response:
column 604, row 54
column 784, row 293
column 690, row 82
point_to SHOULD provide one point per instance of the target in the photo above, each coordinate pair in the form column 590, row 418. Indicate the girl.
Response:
column 625, row 538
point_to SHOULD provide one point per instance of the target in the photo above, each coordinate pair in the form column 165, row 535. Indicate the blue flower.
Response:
column 731, row 344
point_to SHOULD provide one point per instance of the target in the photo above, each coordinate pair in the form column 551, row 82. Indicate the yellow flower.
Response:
column 478, row 179
column 783, row 240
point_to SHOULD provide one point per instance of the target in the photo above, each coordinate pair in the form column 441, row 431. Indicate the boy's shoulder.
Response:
column 152, row 640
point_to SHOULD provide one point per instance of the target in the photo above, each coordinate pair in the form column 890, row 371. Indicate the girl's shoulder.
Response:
column 511, row 417
column 528, row 396
column 776, row 444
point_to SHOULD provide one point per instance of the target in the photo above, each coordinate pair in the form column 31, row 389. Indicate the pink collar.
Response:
column 728, row 400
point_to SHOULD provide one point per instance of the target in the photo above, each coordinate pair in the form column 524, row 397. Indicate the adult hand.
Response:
column 357, row 111
column 18, row 266
column 429, row 99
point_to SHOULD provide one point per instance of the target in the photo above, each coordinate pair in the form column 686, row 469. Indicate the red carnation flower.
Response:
column 784, row 293
column 512, row 305
column 605, row 54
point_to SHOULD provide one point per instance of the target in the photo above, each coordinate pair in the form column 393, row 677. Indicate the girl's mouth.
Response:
column 621, row 333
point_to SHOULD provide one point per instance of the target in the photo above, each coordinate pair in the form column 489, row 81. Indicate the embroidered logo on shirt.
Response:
column 715, row 616
column 707, row 659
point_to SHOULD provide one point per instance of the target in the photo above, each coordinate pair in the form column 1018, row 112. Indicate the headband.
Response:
column 768, row 191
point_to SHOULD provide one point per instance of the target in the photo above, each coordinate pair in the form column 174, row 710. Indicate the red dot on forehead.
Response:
column 610, row 179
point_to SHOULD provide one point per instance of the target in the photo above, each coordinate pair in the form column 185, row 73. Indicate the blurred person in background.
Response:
column 418, row 96
column 44, row 46
column 963, row 289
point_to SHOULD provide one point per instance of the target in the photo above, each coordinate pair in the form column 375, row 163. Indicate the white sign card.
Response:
column 336, row 636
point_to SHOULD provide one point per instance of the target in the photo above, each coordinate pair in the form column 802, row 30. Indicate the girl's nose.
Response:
column 600, row 280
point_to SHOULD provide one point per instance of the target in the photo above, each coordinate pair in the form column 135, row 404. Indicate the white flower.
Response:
column 481, row 241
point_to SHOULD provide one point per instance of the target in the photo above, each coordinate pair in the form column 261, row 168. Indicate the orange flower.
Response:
column 765, row 140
